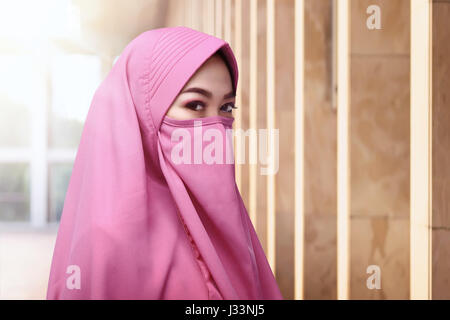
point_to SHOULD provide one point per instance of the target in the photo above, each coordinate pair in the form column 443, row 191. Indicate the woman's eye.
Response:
column 228, row 107
column 195, row 105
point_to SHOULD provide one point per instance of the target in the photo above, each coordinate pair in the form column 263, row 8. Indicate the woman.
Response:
column 147, row 214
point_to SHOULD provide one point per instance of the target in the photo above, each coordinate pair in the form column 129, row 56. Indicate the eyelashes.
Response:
column 229, row 106
column 195, row 105
column 199, row 106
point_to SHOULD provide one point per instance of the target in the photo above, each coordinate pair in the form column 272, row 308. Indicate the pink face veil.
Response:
column 144, row 187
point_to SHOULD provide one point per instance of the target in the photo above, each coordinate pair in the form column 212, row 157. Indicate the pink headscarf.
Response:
column 131, row 215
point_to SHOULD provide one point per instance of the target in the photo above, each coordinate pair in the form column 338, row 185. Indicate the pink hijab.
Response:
column 131, row 216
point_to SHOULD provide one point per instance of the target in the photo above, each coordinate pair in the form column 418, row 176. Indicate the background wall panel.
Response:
column 441, row 150
column 285, row 115
column 379, row 150
column 320, row 154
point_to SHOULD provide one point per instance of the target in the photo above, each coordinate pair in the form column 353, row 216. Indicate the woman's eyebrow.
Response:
column 207, row 93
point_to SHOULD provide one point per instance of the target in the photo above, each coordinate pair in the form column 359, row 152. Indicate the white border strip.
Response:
column 253, row 112
column 299, row 148
column 343, row 167
column 270, row 128
column 420, row 148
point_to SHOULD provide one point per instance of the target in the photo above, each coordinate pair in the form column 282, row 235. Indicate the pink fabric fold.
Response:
column 213, row 291
column 136, row 224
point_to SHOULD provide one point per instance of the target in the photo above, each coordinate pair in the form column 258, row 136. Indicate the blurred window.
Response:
column 44, row 100
column 59, row 176
column 14, row 192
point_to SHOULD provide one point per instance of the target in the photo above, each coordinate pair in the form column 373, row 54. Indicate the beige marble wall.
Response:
column 320, row 155
column 379, row 145
column 441, row 151
column 379, row 149
column 284, row 113
column 261, row 225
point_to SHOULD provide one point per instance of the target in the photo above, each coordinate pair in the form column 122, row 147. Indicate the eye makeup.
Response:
column 196, row 105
